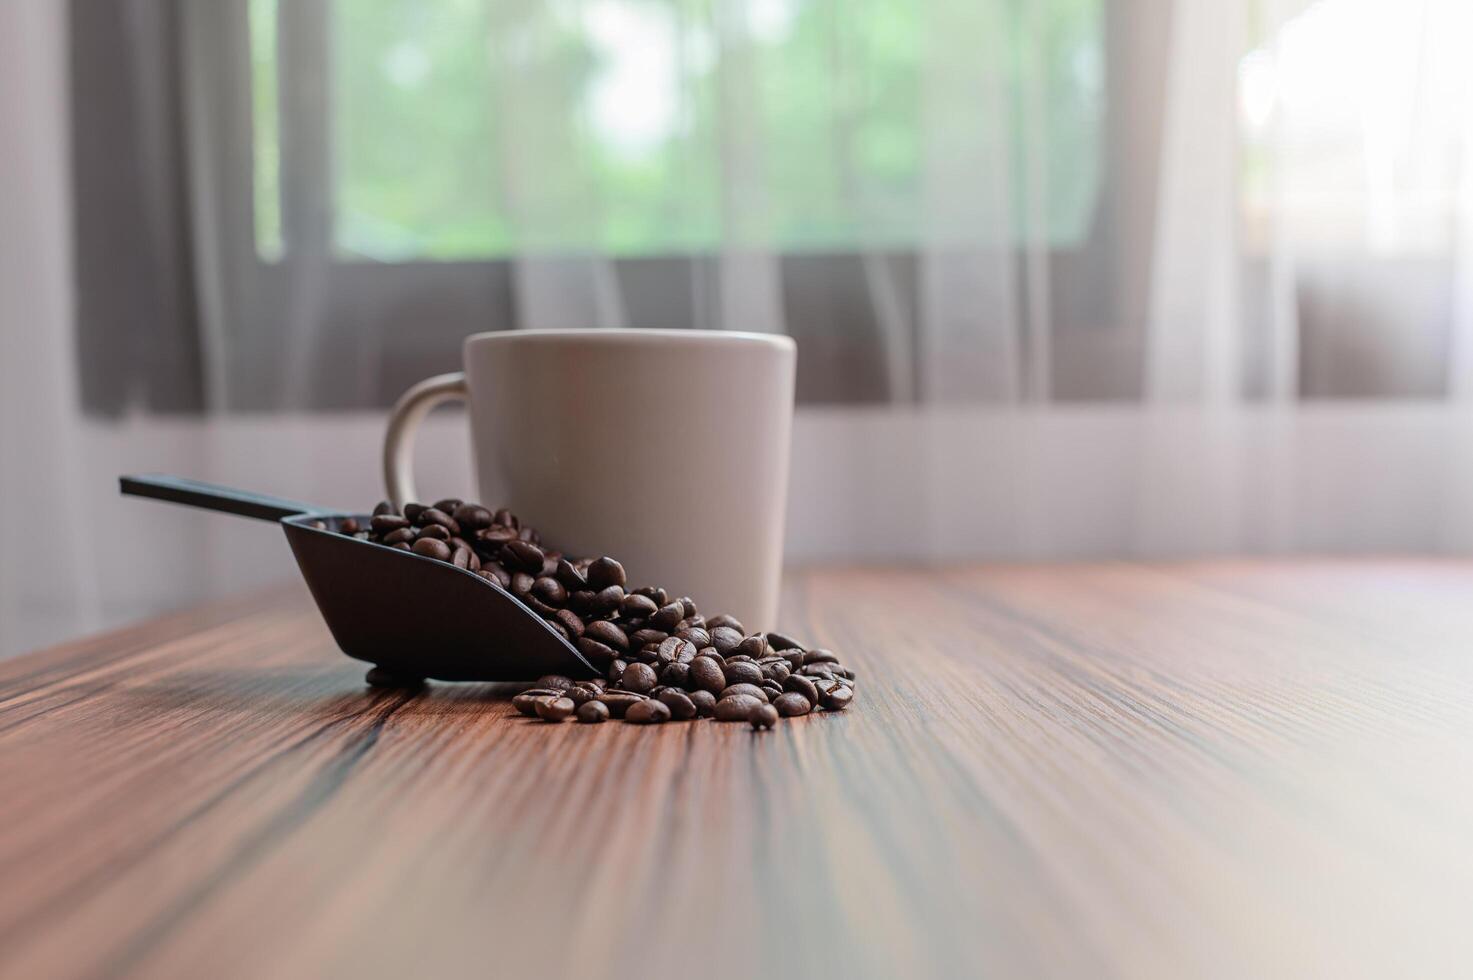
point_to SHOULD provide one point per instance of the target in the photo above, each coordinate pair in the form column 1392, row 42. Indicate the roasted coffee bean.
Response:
column 725, row 640
column 493, row 571
column 554, row 682
column 735, row 708
column 604, row 572
column 773, row 689
column 568, row 574
column 607, row 633
column 647, row 712
column 682, row 708
column 460, row 557
column 401, row 546
column 687, row 605
column 794, row 657
column 655, row 593
column 762, row 716
column 570, row 622
column 697, row 635
column 706, row 674
column 521, row 584
column 836, row 698
column 620, row 701
column 724, row 620
column 381, row 677
column 615, row 673
column 529, row 535
column 597, row 653
column 753, row 646
column 435, row 515
column 471, row 517
column 799, row 684
column 676, row 675
column 384, row 523
column 581, row 602
column 550, row 591
column 775, row 671
column 383, row 507
column 642, row 637
column 637, row 607
column 405, row 535
column 820, row 656
column 593, row 712
column 638, row 678
column 432, row 548
column 817, row 670
column 742, row 672
column 524, row 555
column 497, row 536
column 413, row 510
column 704, row 701
column 506, row 518
column 317, row 525
column 448, row 504
column 666, row 617
column 792, row 705
column 669, row 651
column 554, row 709
column 750, row 690
column 579, row 693
column 606, row 601
column 438, row 532
column 781, row 641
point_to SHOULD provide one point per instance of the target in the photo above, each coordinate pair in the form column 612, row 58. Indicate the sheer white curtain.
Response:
column 1072, row 277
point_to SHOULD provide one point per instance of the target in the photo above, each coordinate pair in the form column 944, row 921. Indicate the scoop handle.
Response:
column 179, row 490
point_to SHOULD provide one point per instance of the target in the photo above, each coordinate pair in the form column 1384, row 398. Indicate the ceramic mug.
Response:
column 665, row 449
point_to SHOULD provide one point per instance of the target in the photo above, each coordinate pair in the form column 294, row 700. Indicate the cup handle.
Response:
column 409, row 411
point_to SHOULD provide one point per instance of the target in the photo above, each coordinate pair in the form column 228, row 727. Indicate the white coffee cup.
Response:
column 665, row 449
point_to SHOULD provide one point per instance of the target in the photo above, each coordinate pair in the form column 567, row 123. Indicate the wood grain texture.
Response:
column 1225, row 769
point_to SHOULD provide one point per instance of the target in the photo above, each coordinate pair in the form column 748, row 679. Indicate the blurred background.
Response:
column 1069, row 278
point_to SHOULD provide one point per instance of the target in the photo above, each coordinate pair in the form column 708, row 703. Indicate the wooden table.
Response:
column 1164, row 770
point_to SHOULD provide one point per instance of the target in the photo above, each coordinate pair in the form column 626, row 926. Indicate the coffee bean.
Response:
column 792, row 705
column 620, row 701
column 550, row 591
column 666, row 617
column 643, row 637
column 750, row 690
column 554, row 708
column 762, row 716
column 706, row 674
column 568, row 574
column 607, row 633
column 604, row 572
column 675, row 675
column 436, row 531
column 798, row 684
column 581, row 602
column 817, row 670
column 460, row 557
column 655, row 593
column 778, row 671
column 725, row 640
column 496, row 536
column 570, row 622
column 704, row 701
column 382, row 677
column 735, row 708
column 647, row 712
column 697, row 635
column 682, row 708
column 524, row 555
column 638, row 678
column 606, row 601
column 413, row 510
column 494, row 572
column 383, row 507
column 579, row 693
column 820, row 656
column 471, row 517
column 688, row 606
column 401, row 546
column 521, row 584
column 637, row 607
column 554, row 682
column 836, row 698
column 384, row 523
column 753, row 646
column 781, row 641
column 742, row 672
column 506, row 518
column 432, row 548
column 436, row 516
column 447, row 504
column 794, row 657
column 404, row 535
column 593, row 712
column 724, row 620
column 596, row 653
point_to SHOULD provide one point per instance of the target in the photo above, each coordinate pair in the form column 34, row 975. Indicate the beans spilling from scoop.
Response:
column 662, row 659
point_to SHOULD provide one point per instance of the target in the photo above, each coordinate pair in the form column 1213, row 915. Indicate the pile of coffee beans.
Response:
column 662, row 659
